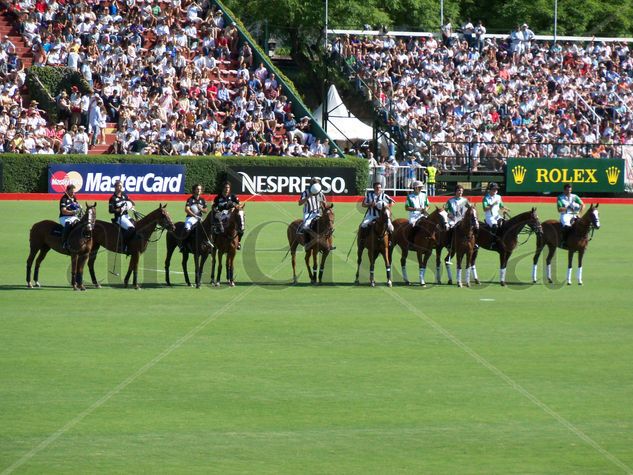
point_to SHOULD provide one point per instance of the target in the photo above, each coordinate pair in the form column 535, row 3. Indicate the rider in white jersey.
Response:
column 569, row 206
column 492, row 204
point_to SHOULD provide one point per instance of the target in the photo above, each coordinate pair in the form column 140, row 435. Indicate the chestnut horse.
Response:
column 377, row 241
column 463, row 242
column 426, row 237
column 226, row 243
column 47, row 235
column 577, row 241
column 507, row 240
column 108, row 235
column 195, row 244
column 320, row 234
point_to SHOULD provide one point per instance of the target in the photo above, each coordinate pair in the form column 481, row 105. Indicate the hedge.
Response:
column 24, row 173
column 46, row 82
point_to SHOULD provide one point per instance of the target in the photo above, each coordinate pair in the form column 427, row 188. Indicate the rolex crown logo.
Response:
column 518, row 173
column 613, row 173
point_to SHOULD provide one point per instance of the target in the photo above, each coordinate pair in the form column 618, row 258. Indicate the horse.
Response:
column 46, row 235
column 507, row 240
column 195, row 243
column 375, row 238
column 320, row 233
column 108, row 235
column 463, row 243
column 427, row 231
column 577, row 241
column 226, row 243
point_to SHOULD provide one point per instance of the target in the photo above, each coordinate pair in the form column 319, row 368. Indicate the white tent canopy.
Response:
column 342, row 125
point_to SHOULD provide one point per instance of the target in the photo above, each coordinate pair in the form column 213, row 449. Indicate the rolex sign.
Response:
column 600, row 175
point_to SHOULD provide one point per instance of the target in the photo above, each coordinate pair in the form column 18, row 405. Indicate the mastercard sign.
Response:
column 61, row 179
column 100, row 178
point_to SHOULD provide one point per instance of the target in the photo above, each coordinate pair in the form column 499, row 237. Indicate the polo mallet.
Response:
column 113, row 271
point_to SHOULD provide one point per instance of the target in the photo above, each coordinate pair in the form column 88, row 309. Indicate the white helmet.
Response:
column 315, row 189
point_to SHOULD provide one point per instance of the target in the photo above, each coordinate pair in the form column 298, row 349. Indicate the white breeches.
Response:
column 368, row 220
column 190, row 222
column 125, row 222
column 414, row 219
column 565, row 219
column 492, row 220
column 64, row 220
column 309, row 217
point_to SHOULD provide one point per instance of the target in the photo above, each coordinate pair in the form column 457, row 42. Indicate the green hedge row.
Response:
column 46, row 82
column 29, row 173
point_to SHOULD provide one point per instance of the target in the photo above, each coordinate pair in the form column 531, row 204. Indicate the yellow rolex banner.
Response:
column 599, row 175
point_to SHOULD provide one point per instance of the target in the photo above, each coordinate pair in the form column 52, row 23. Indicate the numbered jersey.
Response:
column 456, row 207
column 196, row 205
column 67, row 203
column 571, row 203
column 379, row 199
column 416, row 200
column 118, row 205
column 313, row 202
column 495, row 202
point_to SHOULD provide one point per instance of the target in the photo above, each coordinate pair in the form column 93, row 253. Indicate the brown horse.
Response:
column 320, row 234
column 463, row 243
column 47, row 235
column 226, row 243
column 577, row 241
column 195, row 243
column 108, row 235
column 377, row 241
column 506, row 241
column 426, row 235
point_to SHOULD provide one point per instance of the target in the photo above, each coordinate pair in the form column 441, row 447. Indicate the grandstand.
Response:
column 468, row 104
column 152, row 79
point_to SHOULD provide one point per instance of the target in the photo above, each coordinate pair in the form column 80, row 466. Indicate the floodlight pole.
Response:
column 555, row 19
column 441, row 13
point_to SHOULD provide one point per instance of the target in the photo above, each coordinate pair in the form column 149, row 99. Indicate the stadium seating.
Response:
column 164, row 79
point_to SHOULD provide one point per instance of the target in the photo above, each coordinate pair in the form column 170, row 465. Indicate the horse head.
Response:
column 326, row 220
column 534, row 223
column 470, row 217
column 442, row 218
column 164, row 219
column 90, row 217
column 237, row 213
column 594, row 216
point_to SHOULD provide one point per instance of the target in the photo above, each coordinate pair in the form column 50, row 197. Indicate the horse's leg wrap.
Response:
column 534, row 272
column 579, row 275
column 569, row 275
column 422, row 272
column 404, row 273
column 502, row 274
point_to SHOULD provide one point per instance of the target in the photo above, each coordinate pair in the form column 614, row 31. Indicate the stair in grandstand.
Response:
column 110, row 137
column 8, row 27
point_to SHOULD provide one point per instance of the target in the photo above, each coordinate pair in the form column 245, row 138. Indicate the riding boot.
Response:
column 182, row 242
column 565, row 235
column 65, row 233
column 494, row 240
column 128, row 234
column 411, row 238
column 239, row 240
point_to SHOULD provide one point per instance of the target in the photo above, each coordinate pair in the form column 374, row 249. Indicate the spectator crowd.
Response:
column 172, row 77
column 470, row 100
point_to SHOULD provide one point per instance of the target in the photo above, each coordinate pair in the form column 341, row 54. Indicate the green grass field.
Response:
column 270, row 378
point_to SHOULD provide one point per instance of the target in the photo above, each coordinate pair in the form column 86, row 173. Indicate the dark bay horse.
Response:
column 194, row 244
column 463, row 242
column 320, row 235
column 507, row 240
column 47, row 235
column 426, row 237
column 375, row 238
column 577, row 241
column 108, row 235
column 226, row 243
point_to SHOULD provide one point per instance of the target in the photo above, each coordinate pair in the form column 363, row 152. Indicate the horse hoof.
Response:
column 198, row 286
column 75, row 288
column 29, row 285
column 96, row 285
column 569, row 282
column 406, row 282
column 423, row 284
column 37, row 284
column 231, row 284
column 534, row 282
column 550, row 281
column 459, row 284
column 579, row 283
column 502, row 284
column 389, row 284
column 477, row 281
column 356, row 282
column 82, row 288
column 450, row 282
column 372, row 284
